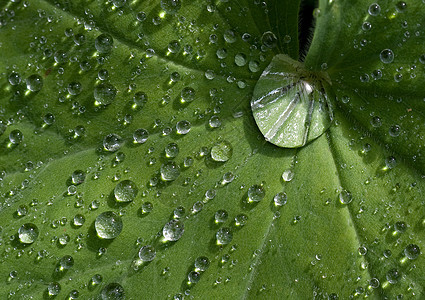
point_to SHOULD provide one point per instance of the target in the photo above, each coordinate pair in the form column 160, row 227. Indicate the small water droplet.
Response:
column 28, row 233
column 125, row 191
column 256, row 193
column 147, row 253
column 34, row 83
column 170, row 6
column 169, row 171
column 280, row 199
column 112, row 291
column 222, row 151
column 386, row 56
column 173, row 230
column 345, row 197
column 412, row 251
column 104, row 43
column 108, row 225
column 112, row 142
column 104, row 94
column 224, row 236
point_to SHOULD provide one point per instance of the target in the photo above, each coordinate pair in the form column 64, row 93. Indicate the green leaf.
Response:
column 151, row 100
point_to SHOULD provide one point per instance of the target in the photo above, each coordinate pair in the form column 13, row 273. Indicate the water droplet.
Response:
column 221, row 53
column 108, row 225
column 118, row 3
column 224, row 236
column 400, row 226
column 53, row 289
column 14, row 78
column 173, row 230
column 222, row 151
column 169, row 171
column 125, row 191
column 103, row 74
column 214, row 122
column 104, row 94
column 287, row 175
column 75, row 88
column 28, row 233
column 147, row 207
column 96, row 279
column 221, row 216
column 179, row 212
column 376, row 121
column 202, row 263
column 174, row 47
column 49, row 119
column 193, row 277
column 147, row 253
column 280, row 199
column 104, row 43
column 66, row 262
column 390, row 162
column 386, row 56
column 240, row 59
column 345, row 197
column 79, row 220
column 290, row 105
column 187, row 95
column 78, row 177
column 112, row 291
column 269, row 39
column 256, row 193
column 374, row 283
column 240, row 220
column 412, row 251
column 34, row 83
column 394, row 131
column 393, row 276
column 112, row 142
column 16, row 137
column 140, row 136
column 228, row 177
column 171, row 150
column 170, row 6
column 183, row 127
column 401, row 6
column 374, row 9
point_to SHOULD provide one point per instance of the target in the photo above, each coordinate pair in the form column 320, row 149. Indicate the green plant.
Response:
column 88, row 196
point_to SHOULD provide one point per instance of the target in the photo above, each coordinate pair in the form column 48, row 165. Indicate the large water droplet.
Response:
column 173, row 230
column 222, row 151
column 104, row 94
column 125, row 191
column 345, row 197
column 140, row 136
column 112, row 142
column 16, row 137
column 28, row 233
column 224, row 236
column 170, row 171
column 290, row 104
column 104, row 43
column 34, row 83
column 412, row 251
column 256, row 193
column 112, row 291
column 387, row 56
column 147, row 253
column 66, row 262
column 14, row 78
column 108, row 225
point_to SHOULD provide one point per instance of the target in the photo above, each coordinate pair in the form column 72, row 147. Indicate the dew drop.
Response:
column 75, row 88
column 412, row 251
column 147, row 253
column 394, row 131
column 104, row 43
column 108, row 225
column 125, row 191
column 78, row 177
column 221, row 216
column 222, row 151
column 112, row 291
column 66, row 262
column 104, row 94
column 112, row 142
column 280, row 199
column 393, row 276
column 53, row 289
column 183, row 127
column 171, row 150
column 170, row 6
column 345, row 197
column 169, row 171
column 224, row 236
column 386, row 56
column 140, row 136
column 202, row 263
column 287, row 175
column 269, row 39
column 14, row 78
column 193, row 277
column 173, row 230
column 16, row 137
column 374, row 9
column 187, row 95
column 34, row 83
column 28, row 233
column 256, row 193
